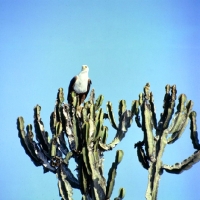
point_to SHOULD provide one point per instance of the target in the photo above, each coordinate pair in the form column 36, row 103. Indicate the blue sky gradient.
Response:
column 126, row 44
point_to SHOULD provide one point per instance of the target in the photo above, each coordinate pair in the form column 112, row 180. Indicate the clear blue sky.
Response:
column 126, row 44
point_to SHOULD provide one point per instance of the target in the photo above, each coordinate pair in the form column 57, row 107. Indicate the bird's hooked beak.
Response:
column 84, row 67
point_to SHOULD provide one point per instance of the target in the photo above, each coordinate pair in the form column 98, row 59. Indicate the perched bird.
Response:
column 80, row 84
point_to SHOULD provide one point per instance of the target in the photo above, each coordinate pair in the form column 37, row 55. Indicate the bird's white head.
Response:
column 85, row 68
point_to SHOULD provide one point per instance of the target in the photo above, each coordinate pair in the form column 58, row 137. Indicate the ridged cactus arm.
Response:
column 84, row 114
column 58, row 140
column 86, row 197
column 65, row 189
column 24, row 142
column 121, row 108
column 147, row 122
column 168, row 106
column 112, row 174
column 153, row 109
column 111, row 115
column 84, row 178
column 184, row 165
column 86, row 160
column 29, row 138
column 143, row 159
column 92, row 96
column 147, row 129
column 168, row 109
column 62, row 143
column 110, row 146
column 68, row 156
column 60, row 95
column 104, row 134
column 58, row 106
column 75, row 99
column 69, row 176
column 126, row 116
column 53, row 122
column 41, row 134
column 54, row 146
column 193, row 132
column 180, row 120
column 121, row 194
column 68, row 126
column 99, row 125
column 125, row 120
column 43, row 159
column 99, row 102
column 31, row 148
column 58, row 129
column 76, row 133
column 135, row 111
column 85, row 129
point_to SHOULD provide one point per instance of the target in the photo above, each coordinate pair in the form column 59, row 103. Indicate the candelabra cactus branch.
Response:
column 83, row 128
column 125, row 120
column 158, row 135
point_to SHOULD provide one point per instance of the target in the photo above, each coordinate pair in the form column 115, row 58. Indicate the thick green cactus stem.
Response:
column 112, row 173
column 165, row 133
column 60, row 95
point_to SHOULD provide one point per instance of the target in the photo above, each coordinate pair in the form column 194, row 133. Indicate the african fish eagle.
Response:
column 80, row 84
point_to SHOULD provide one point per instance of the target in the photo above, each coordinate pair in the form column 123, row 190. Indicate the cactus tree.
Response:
column 167, row 131
column 77, row 133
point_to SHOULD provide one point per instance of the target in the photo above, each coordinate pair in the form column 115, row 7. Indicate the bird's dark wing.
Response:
column 71, row 88
column 88, row 87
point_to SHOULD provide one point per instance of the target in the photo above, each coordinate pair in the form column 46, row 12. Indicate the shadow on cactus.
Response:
column 167, row 131
column 78, row 132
